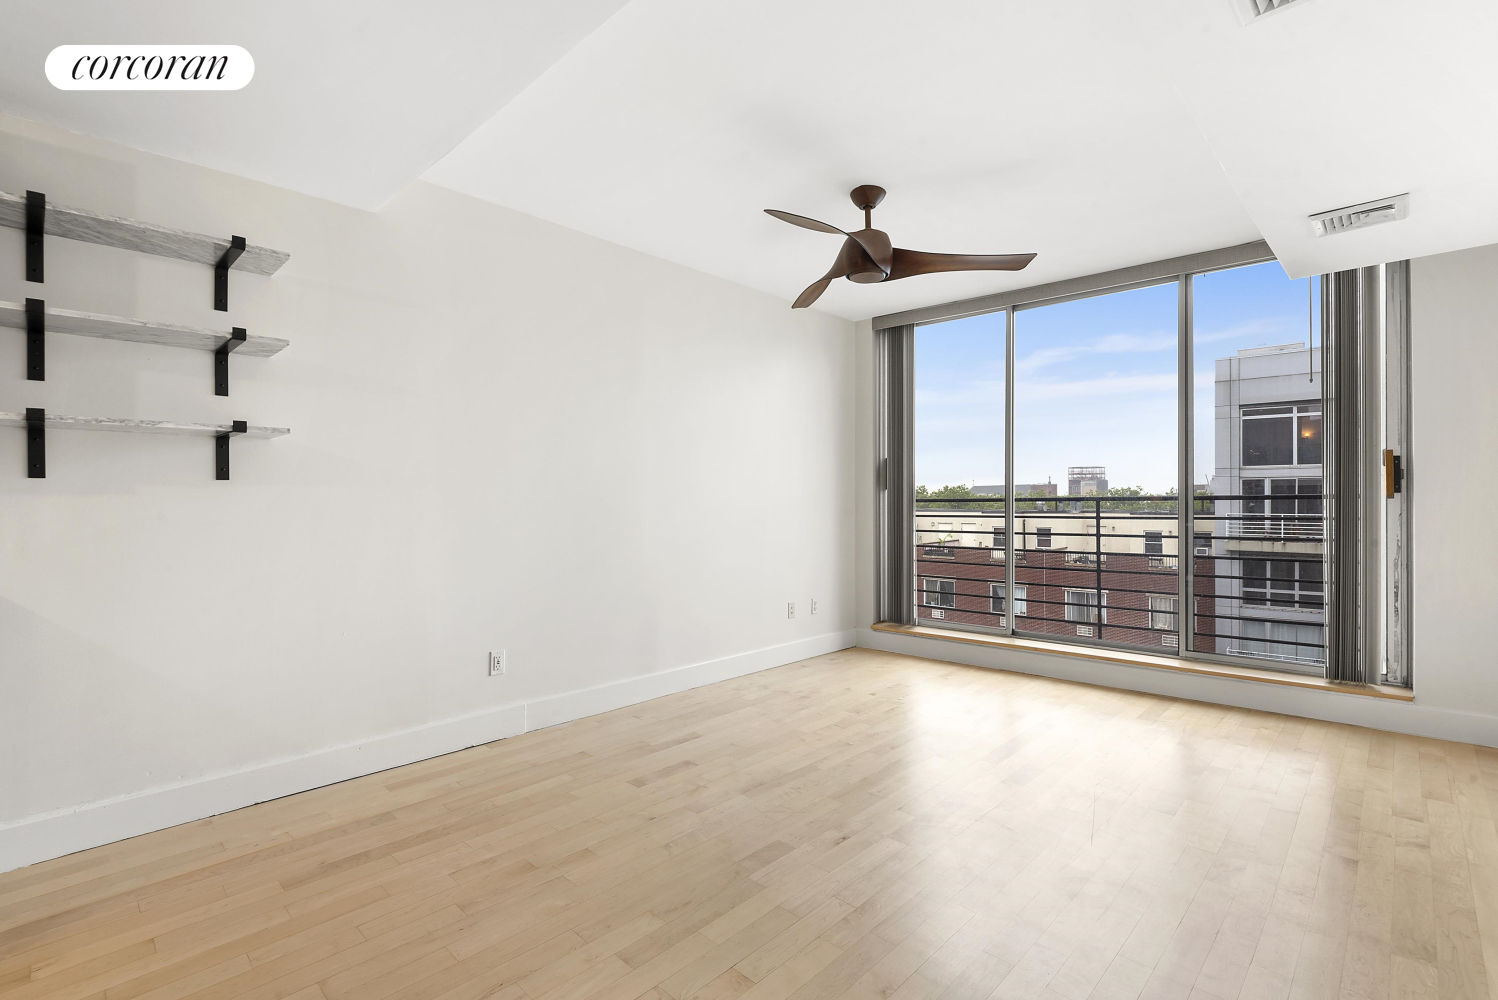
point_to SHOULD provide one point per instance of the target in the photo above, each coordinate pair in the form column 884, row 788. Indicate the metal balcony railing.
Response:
column 1107, row 569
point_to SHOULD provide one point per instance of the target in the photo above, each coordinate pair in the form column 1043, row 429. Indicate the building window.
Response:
column 1203, row 543
column 937, row 593
column 1283, row 583
column 1082, row 606
column 1163, row 609
column 1154, row 543
column 999, row 538
column 1042, row 538
column 1282, row 435
column 1282, row 508
column 996, row 599
column 1288, row 642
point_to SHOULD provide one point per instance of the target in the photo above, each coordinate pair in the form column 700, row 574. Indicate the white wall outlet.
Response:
column 813, row 605
column 790, row 609
column 496, row 663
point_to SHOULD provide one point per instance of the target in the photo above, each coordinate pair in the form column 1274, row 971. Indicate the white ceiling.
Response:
column 1337, row 102
column 350, row 100
column 1096, row 133
column 996, row 128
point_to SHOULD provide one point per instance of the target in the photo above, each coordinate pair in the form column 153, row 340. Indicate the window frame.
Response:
column 1173, row 612
column 1181, row 271
column 1294, row 411
column 1021, row 598
column 940, row 592
column 1090, row 605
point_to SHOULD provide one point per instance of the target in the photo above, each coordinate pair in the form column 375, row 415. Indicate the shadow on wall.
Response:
column 44, row 664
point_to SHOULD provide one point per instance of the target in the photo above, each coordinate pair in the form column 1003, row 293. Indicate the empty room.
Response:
column 804, row 500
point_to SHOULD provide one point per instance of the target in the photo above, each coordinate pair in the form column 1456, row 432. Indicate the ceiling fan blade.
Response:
column 912, row 262
column 876, row 244
column 813, row 292
column 804, row 222
column 851, row 259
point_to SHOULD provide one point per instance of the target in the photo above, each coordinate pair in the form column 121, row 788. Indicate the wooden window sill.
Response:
column 1142, row 659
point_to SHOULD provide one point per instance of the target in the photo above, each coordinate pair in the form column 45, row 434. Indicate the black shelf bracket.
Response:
column 221, row 360
column 221, row 273
column 36, row 443
column 221, row 448
column 36, row 221
column 36, row 340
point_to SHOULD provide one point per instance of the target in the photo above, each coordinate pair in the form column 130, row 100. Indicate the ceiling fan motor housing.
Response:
column 867, row 196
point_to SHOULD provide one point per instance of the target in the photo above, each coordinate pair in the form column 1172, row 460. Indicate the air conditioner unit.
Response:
column 1172, row 640
column 938, row 613
column 1204, row 550
column 1084, row 631
column 1369, row 213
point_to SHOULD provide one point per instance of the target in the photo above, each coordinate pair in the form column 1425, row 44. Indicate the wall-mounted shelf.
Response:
column 33, row 214
column 36, row 421
column 82, row 324
column 139, row 331
column 62, row 421
column 127, row 234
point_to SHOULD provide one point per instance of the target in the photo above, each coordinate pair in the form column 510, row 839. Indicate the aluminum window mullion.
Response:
column 1186, row 443
column 1009, row 491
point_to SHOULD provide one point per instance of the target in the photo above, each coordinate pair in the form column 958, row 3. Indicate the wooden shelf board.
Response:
column 127, row 234
column 60, row 421
column 1142, row 659
column 82, row 324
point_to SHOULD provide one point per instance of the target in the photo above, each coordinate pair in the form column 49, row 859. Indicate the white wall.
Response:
column 505, row 434
column 1454, row 412
column 1454, row 330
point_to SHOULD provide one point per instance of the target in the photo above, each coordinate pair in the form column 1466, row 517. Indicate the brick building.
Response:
column 1069, row 564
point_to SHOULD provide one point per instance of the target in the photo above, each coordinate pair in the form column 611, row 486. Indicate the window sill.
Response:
column 1141, row 659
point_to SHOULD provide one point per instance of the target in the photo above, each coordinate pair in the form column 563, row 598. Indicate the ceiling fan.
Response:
column 868, row 256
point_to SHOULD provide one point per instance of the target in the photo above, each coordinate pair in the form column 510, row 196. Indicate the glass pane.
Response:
column 1308, row 443
column 959, row 467
column 1257, row 392
column 1268, row 441
column 1095, row 414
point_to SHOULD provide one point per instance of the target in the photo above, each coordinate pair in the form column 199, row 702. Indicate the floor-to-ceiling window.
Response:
column 1095, row 446
column 1135, row 464
column 1259, row 585
column 959, row 435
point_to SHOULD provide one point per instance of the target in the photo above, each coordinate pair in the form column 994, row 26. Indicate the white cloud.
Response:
column 1108, row 385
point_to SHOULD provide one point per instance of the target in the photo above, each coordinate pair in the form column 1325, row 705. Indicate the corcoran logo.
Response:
column 149, row 67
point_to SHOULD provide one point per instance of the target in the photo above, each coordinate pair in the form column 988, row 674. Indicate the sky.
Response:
column 1095, row 380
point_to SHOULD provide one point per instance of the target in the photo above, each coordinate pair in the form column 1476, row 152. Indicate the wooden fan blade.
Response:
column 804, row 222
column 851, row 259
column 912, row 262
column 813, row 292
column 877, row 245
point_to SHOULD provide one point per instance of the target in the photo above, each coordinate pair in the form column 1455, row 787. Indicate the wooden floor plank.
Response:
column 858, row 825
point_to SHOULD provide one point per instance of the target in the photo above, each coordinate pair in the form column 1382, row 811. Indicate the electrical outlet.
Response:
column 496, row 663
column 790, row 609
column 813, row 605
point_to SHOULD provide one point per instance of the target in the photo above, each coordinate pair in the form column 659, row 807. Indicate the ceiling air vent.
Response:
column 1369, row 213
column 1249, row 11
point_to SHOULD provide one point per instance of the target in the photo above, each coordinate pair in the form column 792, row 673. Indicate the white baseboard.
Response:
column 1328, row 706
column 560, row 708
column 49, row 835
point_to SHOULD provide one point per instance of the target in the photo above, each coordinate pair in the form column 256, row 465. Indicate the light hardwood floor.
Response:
column 857, row 825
